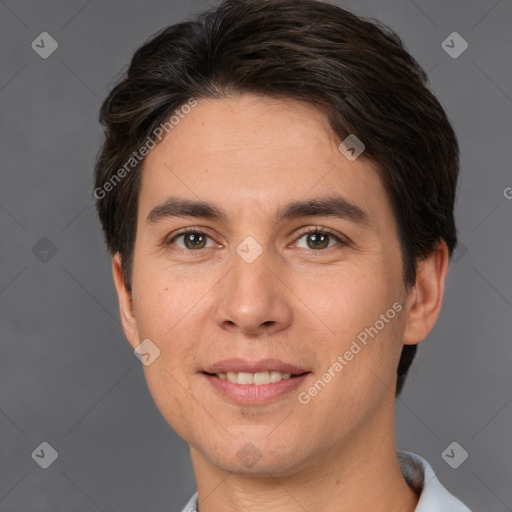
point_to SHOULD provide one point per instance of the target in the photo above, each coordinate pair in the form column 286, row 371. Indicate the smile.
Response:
column 254, row 388
column 257, row 379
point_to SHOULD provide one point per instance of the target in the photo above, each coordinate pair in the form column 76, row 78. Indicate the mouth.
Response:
column 260, row 382
column 258, row 378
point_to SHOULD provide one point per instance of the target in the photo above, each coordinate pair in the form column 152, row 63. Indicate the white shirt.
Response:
column 420, row 476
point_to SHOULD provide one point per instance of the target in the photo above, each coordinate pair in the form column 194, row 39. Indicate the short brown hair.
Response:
column 356, row 71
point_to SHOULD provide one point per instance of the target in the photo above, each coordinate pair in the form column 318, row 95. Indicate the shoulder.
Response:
column 420, row 476
column 191, row 506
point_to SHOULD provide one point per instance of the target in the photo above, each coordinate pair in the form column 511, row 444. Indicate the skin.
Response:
column 250, row 155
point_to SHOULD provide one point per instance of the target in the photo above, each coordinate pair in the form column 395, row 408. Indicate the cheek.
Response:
column 365, row 317
column 168, row 390
column 168, row 318
column 356, row 300
column 161, row 298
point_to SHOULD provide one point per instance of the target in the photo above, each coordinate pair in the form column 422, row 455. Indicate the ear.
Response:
column 426, row 297
column 128, row 319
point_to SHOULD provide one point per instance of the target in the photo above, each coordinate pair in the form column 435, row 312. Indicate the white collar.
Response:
column 420, row 476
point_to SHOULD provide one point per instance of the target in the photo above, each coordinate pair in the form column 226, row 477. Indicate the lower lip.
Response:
column 255, row 394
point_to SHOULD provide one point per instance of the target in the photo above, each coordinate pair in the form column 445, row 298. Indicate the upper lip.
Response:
column 264, row 365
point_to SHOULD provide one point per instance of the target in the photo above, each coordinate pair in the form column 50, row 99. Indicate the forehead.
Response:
column 255, row 151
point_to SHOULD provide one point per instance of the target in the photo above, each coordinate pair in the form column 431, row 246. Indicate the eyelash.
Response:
column 316, row 230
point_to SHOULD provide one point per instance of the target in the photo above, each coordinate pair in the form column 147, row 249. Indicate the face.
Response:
column 258, row 291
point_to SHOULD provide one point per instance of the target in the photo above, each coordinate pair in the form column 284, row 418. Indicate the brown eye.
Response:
column 192, row 240
column 317, row 239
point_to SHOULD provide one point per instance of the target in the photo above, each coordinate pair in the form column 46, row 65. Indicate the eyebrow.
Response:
column 336, row 206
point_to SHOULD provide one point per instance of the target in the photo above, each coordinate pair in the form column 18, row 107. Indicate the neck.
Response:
column 360, row 474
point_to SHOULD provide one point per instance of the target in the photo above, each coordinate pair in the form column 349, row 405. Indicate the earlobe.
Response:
column 426, row 297
column 128, row 319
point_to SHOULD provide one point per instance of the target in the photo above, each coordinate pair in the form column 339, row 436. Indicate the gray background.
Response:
column 67, row 375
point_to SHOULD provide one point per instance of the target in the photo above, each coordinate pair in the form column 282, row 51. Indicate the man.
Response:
column 276, row 188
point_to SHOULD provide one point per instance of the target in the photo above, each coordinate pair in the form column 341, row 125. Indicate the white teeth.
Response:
column 261, row 378
column 254, row 378
column 244, row 378
column 232, row 377
column 275, row 376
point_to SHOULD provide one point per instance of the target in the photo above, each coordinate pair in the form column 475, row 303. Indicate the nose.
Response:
column 252, row 299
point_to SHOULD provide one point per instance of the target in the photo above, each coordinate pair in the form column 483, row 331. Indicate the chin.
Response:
column 257, row 457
